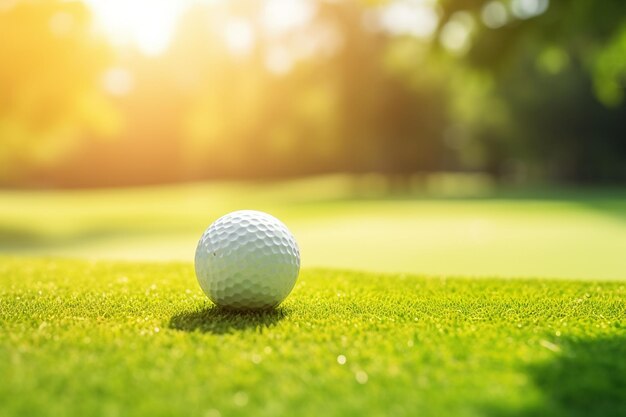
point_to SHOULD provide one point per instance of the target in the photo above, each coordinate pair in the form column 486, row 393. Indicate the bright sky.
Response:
column 150, row 24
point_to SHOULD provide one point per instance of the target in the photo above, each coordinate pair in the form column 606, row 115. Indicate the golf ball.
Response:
column 247, row 260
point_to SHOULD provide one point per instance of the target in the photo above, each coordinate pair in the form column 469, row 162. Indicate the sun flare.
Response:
column 151, row 24
column 147, row 24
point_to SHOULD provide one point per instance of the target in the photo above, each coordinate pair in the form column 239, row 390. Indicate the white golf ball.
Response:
column 247, row 260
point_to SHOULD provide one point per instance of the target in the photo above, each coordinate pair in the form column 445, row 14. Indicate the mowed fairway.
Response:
column 339, row 222
column 399, row 309
column 102, row 338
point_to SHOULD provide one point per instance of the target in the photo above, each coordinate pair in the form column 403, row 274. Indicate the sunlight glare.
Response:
column 525, row 9
column 456, row 34
column 281, row 16
column 239, row 36
column 117, row 81
column 148, row 24
column 409, row 17
column 494, row 14
column 278, row 60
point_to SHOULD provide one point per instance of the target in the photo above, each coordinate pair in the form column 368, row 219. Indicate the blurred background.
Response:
column 469, row 137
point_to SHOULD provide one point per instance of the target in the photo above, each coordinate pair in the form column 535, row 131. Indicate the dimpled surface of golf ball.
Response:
column 247, row 260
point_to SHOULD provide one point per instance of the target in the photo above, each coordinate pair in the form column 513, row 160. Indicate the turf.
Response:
column 556, row 233
column 118, row 339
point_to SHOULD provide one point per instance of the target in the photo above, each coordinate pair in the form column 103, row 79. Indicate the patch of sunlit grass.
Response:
column 362, row 223
column 139, row 339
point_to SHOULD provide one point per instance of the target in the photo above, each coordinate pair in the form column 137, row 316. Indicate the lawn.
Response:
column 403, row 307
column 456, row 227
column 108, row 338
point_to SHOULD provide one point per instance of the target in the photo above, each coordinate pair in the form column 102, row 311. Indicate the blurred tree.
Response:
column 553, row 80
column 49, row 76
column 340, row 107
column 522, row 89
column 389, row 123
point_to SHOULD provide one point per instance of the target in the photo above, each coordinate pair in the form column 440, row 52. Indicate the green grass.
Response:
column 119, row 339
column 340, row 222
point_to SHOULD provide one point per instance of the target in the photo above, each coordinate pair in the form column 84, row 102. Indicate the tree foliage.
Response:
column 559, row 79
column 49, row 92
column 522, row 89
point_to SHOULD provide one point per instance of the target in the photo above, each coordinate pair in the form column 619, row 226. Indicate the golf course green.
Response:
column 312, row 208
column 117, row 339
column 458, row 227
column 405, row 305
